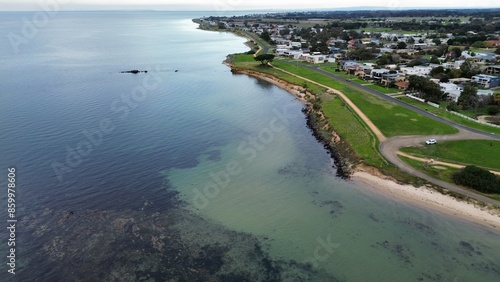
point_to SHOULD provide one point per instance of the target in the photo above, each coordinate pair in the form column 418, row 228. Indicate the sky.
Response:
column 34, row 5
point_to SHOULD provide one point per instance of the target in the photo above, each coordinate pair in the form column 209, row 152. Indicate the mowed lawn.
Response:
column 352, row 129
column 247, row 61
column 391, row 119
column 483, row 153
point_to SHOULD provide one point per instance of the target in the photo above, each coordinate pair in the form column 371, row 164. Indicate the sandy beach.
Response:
column 430, row 199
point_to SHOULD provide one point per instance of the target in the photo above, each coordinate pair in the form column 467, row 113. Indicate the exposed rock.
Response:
column 134, row 71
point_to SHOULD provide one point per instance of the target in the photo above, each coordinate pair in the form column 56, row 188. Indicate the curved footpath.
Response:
column 389, row 147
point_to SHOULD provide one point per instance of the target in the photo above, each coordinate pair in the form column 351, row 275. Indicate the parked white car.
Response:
column 431, row 142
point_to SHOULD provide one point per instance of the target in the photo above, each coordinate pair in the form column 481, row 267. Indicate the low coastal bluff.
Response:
column 343, row 155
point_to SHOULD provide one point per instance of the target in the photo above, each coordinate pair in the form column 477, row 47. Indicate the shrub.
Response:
column 452, row 106
column 477, row 178
column 493, row 110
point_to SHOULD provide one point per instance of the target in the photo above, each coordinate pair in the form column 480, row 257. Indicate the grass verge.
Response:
column 482, row 153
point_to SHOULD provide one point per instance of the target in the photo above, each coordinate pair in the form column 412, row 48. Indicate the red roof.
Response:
column 402, row 84
column 495, row 42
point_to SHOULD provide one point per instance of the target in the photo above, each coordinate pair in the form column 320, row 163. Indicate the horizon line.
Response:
column 131, row 8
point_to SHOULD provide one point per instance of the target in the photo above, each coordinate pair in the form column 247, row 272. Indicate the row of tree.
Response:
column 429, row 90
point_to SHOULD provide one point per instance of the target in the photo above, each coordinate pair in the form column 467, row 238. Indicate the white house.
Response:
column 314, row 59
column 409, row 71
column 486, row 81
column 423, row 70
column 294, row 54
column 452, row 90
column 485, row 92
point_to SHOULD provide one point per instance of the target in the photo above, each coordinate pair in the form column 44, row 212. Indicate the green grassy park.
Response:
column 482, row 153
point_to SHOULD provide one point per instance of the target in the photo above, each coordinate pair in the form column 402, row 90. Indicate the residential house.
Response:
column 377, row 74
column 339, row 56
column 293, row 54
column 453, row 91
column 363, row 71
column 485, row 92
column 493, row 69
column 296, row 45
column 486, row 81
column 402, row 85
column 409, row 71
column 423, row 70
column 448, row 65
column 348, row 63
column 459, row 80
column 315, row 58
column 459, row 63
column 494, row 42
column 392, row 78
column 416, row 70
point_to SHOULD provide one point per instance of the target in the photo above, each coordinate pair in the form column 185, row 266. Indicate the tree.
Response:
column 441, row 50
column 456, row 52
column 264, row 59
column 401, row 45
column 478, row 44
column 477, row 178
column 435, row 71
column 493, row 110
column 454, row 73
column 362, row 53
column 429, row 90
column 435, row 60
column 284, row 32
column 497, row 51
column 468, row 99
column 265, row 35
column 468, row 69
column 444, row 78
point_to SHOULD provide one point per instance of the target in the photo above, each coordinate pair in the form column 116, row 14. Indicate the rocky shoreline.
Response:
column 344, row 157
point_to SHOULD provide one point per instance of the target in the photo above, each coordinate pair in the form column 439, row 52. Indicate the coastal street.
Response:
column 263, row 45
column 389, row 147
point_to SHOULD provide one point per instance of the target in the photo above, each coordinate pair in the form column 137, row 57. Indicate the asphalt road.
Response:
column 259, row 41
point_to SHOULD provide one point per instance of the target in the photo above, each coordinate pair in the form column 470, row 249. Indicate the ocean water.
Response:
column 188, row 171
